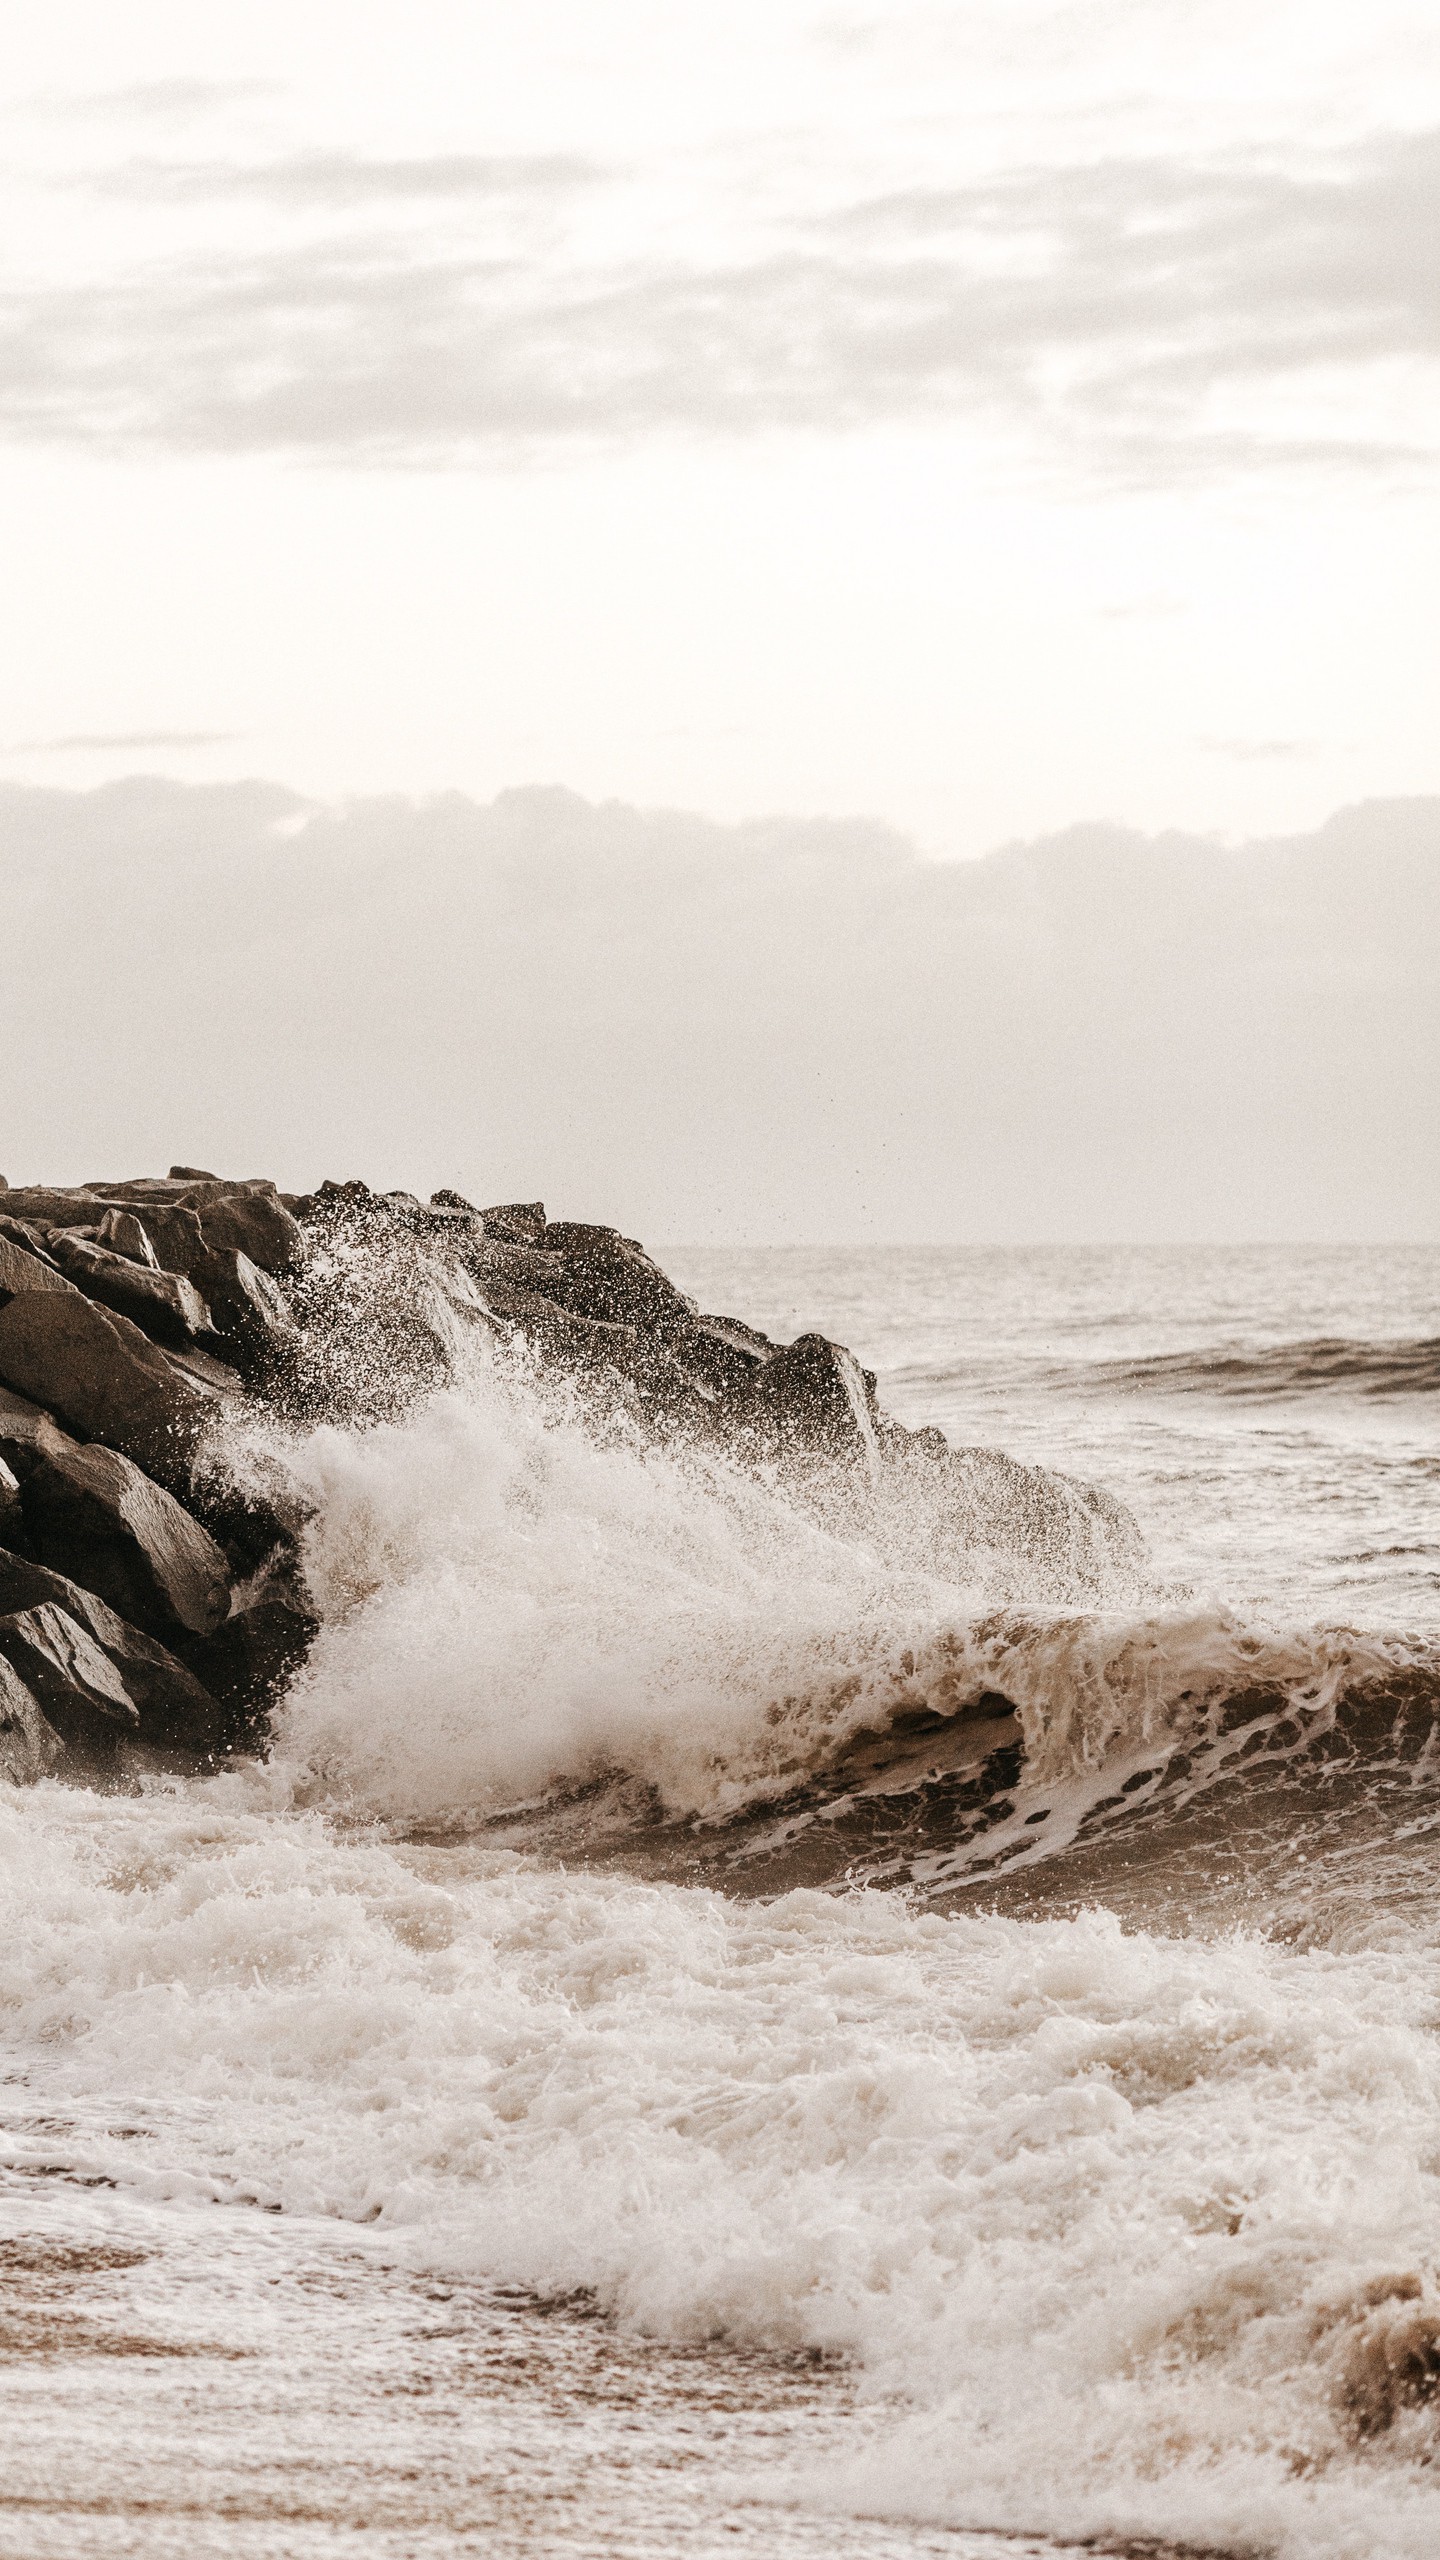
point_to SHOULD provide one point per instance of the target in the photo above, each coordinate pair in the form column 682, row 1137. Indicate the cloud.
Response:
column 1149, row 319
column 327, row 180
column 785, row 1030
column 125, row 738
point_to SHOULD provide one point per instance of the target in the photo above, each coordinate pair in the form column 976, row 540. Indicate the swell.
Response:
column 1325, row 1365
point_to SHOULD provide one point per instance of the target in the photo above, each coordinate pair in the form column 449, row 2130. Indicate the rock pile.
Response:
column 152, row 1606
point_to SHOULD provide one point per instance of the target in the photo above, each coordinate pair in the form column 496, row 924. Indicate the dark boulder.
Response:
column 30, row 1747
column 40, row 1206
column 92, row 1515
column 104, row 1377
column 252, row 1223
column 250, row 1663
column 22, row 1270
column 75, row 1684
column 27, row 1435
column 516, row 1221
column 723, row 1355
column 12, row 1517
column 172, row 1707
column 812, row 1399
column 170, row 1309
column 611, row 1278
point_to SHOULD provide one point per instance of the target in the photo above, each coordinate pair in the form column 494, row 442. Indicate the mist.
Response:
column 783, row 1031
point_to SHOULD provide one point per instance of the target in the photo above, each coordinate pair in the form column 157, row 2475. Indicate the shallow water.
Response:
column 727, row 2026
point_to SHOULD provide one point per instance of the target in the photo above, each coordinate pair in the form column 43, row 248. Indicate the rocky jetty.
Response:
column 152, row 1593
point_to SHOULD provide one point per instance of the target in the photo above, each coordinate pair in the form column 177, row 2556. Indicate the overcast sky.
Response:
column 983, row 417
column 784, row 1031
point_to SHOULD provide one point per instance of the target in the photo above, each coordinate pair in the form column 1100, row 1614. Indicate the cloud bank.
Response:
column 1153, row 319
column 788, row 1030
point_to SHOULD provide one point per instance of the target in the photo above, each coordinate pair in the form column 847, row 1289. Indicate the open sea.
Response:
column 728, row 2025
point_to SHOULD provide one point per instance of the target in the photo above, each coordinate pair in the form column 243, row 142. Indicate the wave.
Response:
column 1326, row 1364
column 594, row 1648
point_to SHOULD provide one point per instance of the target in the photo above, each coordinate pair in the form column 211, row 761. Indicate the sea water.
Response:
column 726, row 2024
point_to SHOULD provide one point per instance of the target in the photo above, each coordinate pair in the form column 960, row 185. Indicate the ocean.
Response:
column 729, row 2023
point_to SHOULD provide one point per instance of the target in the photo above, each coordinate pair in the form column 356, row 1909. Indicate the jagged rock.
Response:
column 723, row 1355
column 172, row 1706
column 494, row 1263
column 248, row 1307
column 93, row 1516
column 27, row 1435
column 20, row 1269
column 167, row 1307
column 37, row 1204
column 12, row 1518
column 453, row 1200
column 813, row 1399
column 252, row 1660
column 610, row 1277
column 120, row 1231
column 77, row 1687
column 191, row 1173
column 104, row 1377
column 516, row 1221
column 239, row 1217
column 28, row 1238
column 30, row 1747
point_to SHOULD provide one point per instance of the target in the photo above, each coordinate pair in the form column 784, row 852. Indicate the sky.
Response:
column 798, row 621
column 978, row 418
column 780, row 1031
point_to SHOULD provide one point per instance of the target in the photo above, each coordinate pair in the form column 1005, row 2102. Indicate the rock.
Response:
column 21, row 1270
column 239, row 1217
column 191, row 1173
column 77, row 1687
column 172, row 1233
column 723, row 1355
column 494, row 1263
column 252, row 1660
column 12, row 1517
column 27, row 1435
column 167, row 1307
column 46, row 1208
column 453, row 1200
column 252, row 1223
column 516, row 1222
column 173, row 1708
column 813, row 1399
column 29, row 1239
column 106, row 1379
column 30, row 1747
column 610, row 1277
column 120, row 1231
column 249, row 1308
column 92, row 1515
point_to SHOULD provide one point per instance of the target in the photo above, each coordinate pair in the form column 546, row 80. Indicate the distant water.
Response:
column 730, row 2027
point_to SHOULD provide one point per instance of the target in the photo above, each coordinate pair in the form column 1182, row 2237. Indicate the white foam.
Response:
column 1110, row 2217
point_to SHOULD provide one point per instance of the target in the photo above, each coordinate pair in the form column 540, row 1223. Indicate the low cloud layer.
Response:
column 1153, row 319
column 781, row 1031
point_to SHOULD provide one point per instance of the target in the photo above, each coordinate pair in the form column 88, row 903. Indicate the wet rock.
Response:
column 250, row 1663
column 453, row 1200
column 27, row 1435
column 20, row 1270
column 723, row 1355
column 813, row 1399
column 167, row 1307
column 252, row 1223
column 30, row 1747
column 495, row 1263
column 516, row 1221
column 608, row 1276
column 93, row 1516
column 173, row 1708
column 120, row 1231
column 106, row 1379
column 76, row 1685
column 12, row 1517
